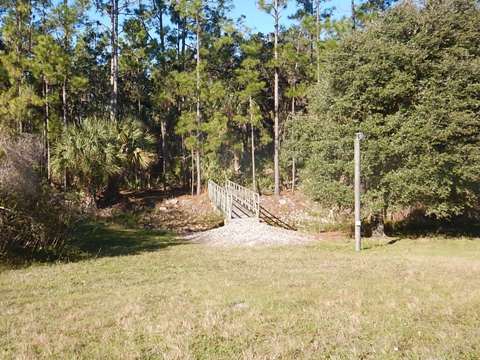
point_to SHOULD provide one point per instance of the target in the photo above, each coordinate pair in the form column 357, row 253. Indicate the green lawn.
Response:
column 139, row 295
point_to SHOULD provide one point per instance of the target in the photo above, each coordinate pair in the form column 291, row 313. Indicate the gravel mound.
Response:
column 249, row 232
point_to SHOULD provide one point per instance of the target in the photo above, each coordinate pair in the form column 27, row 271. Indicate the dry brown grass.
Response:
column 416, row 299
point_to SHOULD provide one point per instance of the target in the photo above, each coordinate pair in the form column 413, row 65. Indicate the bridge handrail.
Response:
column 247, row 197
column 233, row 197
column 219, row 197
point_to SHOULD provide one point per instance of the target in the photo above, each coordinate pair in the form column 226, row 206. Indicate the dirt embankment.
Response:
column 181, row 214
column 186, row 214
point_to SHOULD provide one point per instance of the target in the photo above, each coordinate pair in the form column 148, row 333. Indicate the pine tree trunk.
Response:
column 162, row 35
column 317, row 39
column 252, row 134
column 293, row 157
column 294, row 175
column 184, row 165
column 184, row 150
column 19, row 91
column 66, row 45
column 64, row 102
column 114, row 61
column 163, row 132
column 162, row 121
column 18, row 82
column 193, row 173
column 184, row 41
column 354, row 15
column 177, row 42
column 199, row 180
column 199, row 120
column 46, row 133
column 276, row 160
column 65, row 124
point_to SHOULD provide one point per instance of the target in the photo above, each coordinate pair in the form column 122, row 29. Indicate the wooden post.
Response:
column 229, row 207
column 358, row 222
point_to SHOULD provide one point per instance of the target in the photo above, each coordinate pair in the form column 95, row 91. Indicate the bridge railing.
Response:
column 234, row 200
column 248, row 198
column 219, row 197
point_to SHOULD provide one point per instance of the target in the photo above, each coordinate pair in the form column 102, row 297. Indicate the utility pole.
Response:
column 358, row 222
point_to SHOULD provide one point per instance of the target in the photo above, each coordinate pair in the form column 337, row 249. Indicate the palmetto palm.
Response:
column 98, row 150
column 135, row 144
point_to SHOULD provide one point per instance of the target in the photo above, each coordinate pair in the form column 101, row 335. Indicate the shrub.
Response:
column 410, row 81
column 33, row 219
column 32, row 225
column 100, row 153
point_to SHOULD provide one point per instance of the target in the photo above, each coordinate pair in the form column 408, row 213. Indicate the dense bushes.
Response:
column 33, row 224
column 32, row 217
column 100, row 154
column 411, row 82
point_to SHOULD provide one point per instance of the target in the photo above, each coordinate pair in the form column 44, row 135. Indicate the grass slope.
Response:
column 146, row 296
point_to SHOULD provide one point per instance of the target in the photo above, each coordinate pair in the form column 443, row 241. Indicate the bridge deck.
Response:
column 235, row 201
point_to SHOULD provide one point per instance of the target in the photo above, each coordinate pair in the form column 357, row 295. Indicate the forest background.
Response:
column 98, row 96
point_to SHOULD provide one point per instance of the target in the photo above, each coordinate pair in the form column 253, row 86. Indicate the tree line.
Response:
column 212, row 93
column 170, row 93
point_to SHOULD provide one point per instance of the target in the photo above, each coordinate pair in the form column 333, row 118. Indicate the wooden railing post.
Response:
column 229, row 207
column 223, row 197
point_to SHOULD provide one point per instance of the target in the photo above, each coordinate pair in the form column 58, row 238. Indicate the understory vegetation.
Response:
column 168, row 94
column 100, row 156
column 33, row 217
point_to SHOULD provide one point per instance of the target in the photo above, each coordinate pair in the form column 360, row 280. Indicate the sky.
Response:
column 262, row 22
column 259, row 21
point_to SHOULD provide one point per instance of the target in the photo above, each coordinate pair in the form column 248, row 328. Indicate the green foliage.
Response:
column 269, row 6
column 372, row 9
column 50, row 59
column 98, row 150
column 410, row 82
column 18, row 98
column 58, row 67
column 250, row 83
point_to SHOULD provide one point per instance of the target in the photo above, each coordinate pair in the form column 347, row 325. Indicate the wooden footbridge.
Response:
column 235, row 202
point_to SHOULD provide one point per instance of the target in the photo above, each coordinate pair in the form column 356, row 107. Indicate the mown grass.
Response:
column 144, row 295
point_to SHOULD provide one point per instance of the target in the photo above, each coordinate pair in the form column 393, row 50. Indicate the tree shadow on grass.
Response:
column 96, row 240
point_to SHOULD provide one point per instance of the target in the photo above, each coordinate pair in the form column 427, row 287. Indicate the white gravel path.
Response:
column 249, row 232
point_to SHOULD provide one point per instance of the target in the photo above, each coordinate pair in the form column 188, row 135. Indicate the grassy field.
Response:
column 140, row 295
